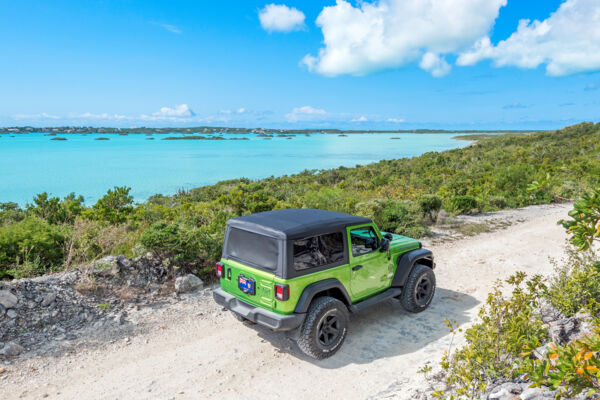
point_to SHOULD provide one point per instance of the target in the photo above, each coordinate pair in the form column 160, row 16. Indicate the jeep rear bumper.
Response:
column 259, row 315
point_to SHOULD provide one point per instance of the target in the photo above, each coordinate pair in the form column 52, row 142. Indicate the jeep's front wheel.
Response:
column 419, row 289
column 324, row 329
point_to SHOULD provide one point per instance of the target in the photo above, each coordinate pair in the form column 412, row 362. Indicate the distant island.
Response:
column 221, row 129
column 201, row 138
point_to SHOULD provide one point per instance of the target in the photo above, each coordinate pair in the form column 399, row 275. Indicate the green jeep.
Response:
column 304, row 270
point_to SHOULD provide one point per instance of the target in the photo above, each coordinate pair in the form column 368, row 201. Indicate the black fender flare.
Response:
column 406, row 263
column 310, row 291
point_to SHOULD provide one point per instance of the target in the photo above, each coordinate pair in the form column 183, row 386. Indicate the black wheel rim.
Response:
column 423, row 291
column 329, row 330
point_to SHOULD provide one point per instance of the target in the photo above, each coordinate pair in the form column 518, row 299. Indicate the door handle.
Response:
column 356, row 267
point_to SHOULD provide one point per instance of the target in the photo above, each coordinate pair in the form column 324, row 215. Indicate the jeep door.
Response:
column 370, row 269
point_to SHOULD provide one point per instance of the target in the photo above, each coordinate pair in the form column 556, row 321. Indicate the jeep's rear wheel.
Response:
column 324, row 329
column 419, row 289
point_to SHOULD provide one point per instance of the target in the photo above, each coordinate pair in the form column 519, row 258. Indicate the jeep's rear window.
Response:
column 251, row 249
column 316, row 251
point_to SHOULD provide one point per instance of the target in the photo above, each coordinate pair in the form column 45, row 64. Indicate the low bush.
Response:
column 571, row 369
column 505, row 327
column 430, row 205
column 114, row 207
column 31, row 245
column 576, row 283
column 91, row 239
column 402, row 218
column 462, row 204
column 497, row 202
column 501, row 344
column 190, row 248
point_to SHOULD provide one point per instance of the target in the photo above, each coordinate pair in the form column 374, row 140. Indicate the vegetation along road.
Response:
column 191, row 349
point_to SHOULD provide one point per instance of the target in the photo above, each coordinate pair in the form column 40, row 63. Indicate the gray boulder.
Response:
column 535, row 394
column 188, row 283
column 106, row 266
column 11, row 349
column 48, row 299
column 7, row 299
column 506, row 391
column 566, row 330
column 562, row 330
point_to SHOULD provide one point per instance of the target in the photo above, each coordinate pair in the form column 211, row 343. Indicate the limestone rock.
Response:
column 11, row 349
column 7, row 299
column 188, row 283
column 48, row 299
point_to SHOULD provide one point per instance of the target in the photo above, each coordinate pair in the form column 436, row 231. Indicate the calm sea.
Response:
column 33, row 163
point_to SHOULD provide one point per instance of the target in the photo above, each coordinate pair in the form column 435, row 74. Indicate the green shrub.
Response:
column 570, row 369
column 55, row 211
column 92, row 239
column 429, row 205
column 462, row 204
column 32, row 244
column 114, row 207
column 497, row 202
column 584, row 225
column 504, row 329
column 9, row 213
column 191, row 248
column 576, row 284
column 402, row 218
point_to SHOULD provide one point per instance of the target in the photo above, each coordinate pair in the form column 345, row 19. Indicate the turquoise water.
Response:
column 32, row 163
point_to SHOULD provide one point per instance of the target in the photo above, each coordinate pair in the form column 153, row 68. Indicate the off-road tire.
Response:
column 415, row 298
column 312, row 335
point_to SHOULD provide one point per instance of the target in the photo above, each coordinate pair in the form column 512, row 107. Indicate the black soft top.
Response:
column 295, row 223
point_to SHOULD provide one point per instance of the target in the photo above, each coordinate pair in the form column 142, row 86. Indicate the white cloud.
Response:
column 241, row 110
column 168, row 27
column 392, row 33
column 35, row 116
column 396, row 120
column 280, row 18
column 567, row 42
column 435, row 64
column 305, row 113
column 179, row 111
column 359, row 119
column 106, row 116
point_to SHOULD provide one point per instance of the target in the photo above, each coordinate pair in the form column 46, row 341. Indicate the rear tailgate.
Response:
column 263, row 296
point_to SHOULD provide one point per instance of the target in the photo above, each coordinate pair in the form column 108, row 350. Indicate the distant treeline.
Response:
column 217, row 129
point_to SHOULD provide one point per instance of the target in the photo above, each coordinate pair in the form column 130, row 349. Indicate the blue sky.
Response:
column 189, row 63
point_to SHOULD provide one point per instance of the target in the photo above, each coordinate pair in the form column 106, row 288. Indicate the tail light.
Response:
column 282, row 292
column 219, row 268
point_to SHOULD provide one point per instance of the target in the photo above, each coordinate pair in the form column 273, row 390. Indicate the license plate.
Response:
column 246, row 285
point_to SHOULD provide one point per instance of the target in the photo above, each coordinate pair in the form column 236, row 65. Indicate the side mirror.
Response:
column 385, row 245
column 388, row 236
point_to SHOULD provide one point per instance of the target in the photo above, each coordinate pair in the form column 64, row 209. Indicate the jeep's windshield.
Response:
column 252, row 249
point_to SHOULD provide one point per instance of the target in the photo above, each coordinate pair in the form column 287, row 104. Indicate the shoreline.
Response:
column 227, row 130
column 405, row 150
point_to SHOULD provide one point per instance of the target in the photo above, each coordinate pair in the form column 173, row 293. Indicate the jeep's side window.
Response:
column 363, row 240
column 319, row 250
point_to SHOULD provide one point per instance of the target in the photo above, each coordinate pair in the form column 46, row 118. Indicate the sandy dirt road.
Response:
column 193, row 350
